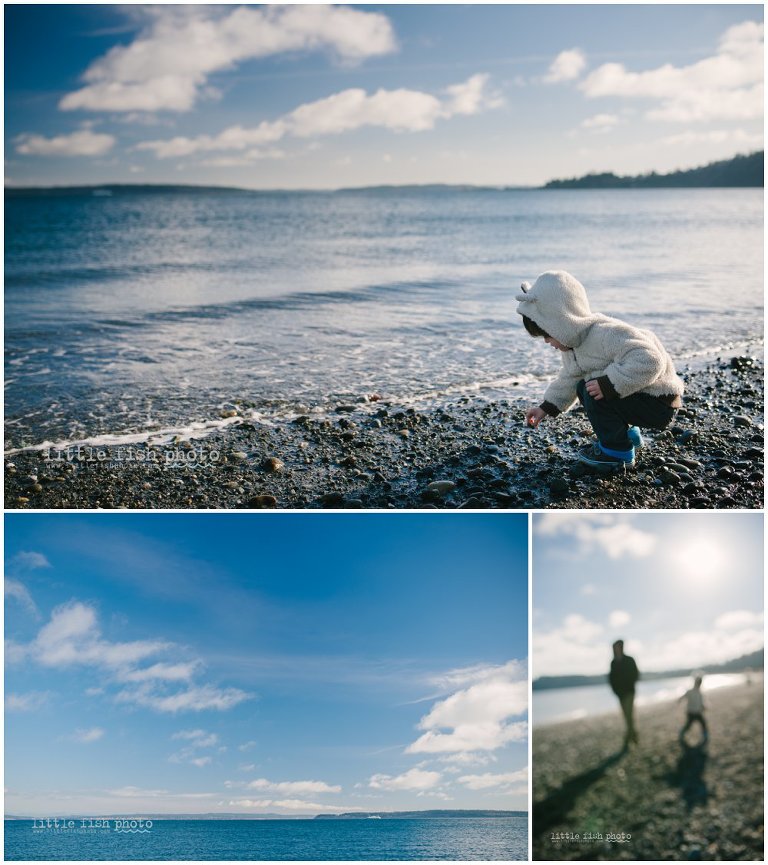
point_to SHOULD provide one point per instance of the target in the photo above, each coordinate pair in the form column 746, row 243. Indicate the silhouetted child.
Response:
column 622, row 375
column 695, row 710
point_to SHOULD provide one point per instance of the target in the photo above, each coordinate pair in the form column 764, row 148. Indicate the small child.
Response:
column 695, row 709
column 622, row 376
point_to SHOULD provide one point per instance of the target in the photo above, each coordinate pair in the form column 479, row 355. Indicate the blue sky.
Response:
column 287, row 664
column 322, row 96
column 682, row 590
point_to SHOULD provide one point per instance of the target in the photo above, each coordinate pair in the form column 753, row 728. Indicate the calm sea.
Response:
column 569, row 704
column 489, row 838
column 148, row 310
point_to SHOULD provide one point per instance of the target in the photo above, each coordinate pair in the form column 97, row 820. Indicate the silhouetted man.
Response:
column 622, row 679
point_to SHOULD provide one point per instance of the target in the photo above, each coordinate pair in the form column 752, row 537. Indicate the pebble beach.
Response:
column 469, row 454
column 676, row 803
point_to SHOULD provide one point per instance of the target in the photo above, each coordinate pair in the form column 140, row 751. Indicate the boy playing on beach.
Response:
column 695, row 709
column 622, row 375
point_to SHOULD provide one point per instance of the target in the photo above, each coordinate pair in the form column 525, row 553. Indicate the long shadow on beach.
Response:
column 554, row 809
column 688, row 775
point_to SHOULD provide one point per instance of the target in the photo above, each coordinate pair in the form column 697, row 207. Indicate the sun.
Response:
column 701, row 558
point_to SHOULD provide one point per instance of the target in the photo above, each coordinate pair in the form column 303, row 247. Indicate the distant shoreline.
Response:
column 384, row 815
column 752, row 662
column 740, row 172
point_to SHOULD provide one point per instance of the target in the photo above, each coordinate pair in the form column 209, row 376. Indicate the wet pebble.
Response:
column 441, row 488
column 262, row 501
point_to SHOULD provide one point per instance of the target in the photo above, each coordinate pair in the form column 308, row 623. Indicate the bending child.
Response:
column 622, row 375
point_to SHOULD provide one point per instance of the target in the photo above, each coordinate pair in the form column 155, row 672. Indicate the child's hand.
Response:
column 593, row 389
column 534, row 416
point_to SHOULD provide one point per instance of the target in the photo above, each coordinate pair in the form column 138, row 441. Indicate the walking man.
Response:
column 622, row 678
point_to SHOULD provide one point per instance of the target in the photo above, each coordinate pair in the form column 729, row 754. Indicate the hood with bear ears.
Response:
column 557, row 303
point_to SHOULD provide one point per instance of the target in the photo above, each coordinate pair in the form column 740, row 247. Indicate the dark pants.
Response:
column 627, row 703
column 612, row 418
column 693, row 717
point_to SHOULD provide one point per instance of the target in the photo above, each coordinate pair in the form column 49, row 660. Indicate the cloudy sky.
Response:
column 681, row 590
column 328, row 96
column 295, row 665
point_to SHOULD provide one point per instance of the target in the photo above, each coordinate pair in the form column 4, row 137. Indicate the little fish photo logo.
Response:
column 87, row 825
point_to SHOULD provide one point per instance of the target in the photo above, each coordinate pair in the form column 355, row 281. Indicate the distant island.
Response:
column 409, row 815
column 753, row 661
column 737, row 172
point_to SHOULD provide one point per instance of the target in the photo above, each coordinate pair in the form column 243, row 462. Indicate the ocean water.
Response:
column 553, row 705
column 466, row 838
column 145, row 310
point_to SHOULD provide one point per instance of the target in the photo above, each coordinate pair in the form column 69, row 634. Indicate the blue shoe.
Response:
column 635, row 437
column 598, row 460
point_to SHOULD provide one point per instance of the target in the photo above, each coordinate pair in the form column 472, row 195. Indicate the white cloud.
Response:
column 72, row 637
column 396, row 110
column 293, row 787
column 566, row 66
column 614, row 535
column 31, row 560
column 726, row 86
column 619, row 618
column 167, row 66
column 478, row 717
column 465, row 758
column 289, row 805
column 193, row 699
column 197, row 738
column 83, row 142
column 577, row 646
column 581, row 647
column 200, row 761
column 413, row 779
column 28, row 702
column 162, row 671
column 19, row 592
column 470, row 97
column 600, row 122
column 84, row 737
column 738, row 619
column 489, row 779
column 737, row 137
column 246, row 746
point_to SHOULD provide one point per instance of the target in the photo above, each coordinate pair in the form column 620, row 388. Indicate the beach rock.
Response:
column 441, row 488
column 273, row 464
column 332, row 500
column 230, row 412
column 559, row 487
column 263, row 501
column 348, row 462
column 741, row 420
column 239, row 456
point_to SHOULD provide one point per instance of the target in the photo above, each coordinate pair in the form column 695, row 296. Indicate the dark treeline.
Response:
column 739, row 171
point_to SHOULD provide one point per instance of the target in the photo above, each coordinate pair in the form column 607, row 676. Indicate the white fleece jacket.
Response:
column 624, row 359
